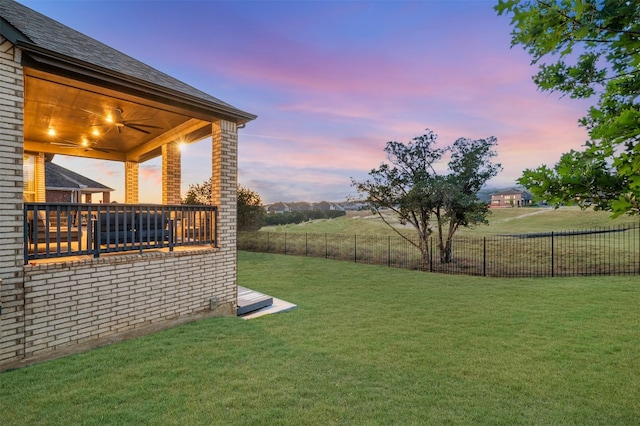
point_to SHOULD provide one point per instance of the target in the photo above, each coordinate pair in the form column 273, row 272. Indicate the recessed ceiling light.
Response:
column 95, row 132
column 51, row 131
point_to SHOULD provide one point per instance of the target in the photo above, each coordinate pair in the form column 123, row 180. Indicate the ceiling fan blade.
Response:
column 101, row 150
column 91, row 112
column 132, row 123
column 135, row 127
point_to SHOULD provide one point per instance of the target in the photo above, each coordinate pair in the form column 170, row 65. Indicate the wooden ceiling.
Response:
column 70, row 117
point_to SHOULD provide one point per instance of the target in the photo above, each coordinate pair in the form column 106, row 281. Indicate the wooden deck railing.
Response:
column 69, row 229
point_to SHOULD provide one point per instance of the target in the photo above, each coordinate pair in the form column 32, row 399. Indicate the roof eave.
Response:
column 130, row 84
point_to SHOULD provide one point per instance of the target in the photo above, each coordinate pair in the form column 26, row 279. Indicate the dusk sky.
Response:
column 331, row 82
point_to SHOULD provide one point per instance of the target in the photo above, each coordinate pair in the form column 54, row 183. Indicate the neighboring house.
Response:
column 278, row 207
column 327, row 206
column 65, row 186
column 511, row 198
column 64, row 93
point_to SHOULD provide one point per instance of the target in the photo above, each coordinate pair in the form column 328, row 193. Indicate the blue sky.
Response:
column 331, row 83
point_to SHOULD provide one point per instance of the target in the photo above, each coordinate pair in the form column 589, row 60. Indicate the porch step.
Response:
column 251, row 300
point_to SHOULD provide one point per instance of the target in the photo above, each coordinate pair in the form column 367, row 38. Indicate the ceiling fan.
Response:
column 85, row 144
column 117, row 119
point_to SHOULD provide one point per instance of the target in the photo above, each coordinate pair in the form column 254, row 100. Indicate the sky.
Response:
column 331, row 83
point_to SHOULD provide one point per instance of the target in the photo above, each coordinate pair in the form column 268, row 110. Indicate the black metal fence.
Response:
column 70, row 229
column 602, row 251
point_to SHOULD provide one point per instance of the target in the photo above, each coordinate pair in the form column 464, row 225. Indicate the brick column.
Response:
column 224, row 181
column 12, row 333
column 171, row 173
column 131, row 179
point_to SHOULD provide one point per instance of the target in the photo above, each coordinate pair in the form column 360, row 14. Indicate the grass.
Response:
column 367, row 345
column 501, row 221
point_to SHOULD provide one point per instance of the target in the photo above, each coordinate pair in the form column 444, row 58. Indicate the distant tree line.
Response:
column 300, row 216
column 250, row 210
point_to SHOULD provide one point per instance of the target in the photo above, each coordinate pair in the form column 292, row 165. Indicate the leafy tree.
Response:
column 410, row 186
column 198, row 193
column 593, row 49
column 250, row 211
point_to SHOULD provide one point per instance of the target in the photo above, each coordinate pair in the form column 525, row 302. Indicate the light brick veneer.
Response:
column 11, row 216
column 131, row 179
column 69, row 303
column 171, row 173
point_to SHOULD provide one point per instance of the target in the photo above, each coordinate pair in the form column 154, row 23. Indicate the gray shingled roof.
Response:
column 58, row 178
column 46, row 33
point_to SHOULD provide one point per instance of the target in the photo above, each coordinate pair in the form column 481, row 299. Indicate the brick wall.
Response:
column 69, row 303
column 11, row 216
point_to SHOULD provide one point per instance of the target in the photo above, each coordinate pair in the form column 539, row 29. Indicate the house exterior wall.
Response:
column 11, row 215
column 509, row 200
column 52, row 308
column 70, row 303
column 54, row 196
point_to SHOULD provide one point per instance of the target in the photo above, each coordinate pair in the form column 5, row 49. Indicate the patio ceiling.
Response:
column 68, row 116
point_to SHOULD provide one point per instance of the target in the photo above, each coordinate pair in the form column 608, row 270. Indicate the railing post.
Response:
column 96, row 236
column 171, row 233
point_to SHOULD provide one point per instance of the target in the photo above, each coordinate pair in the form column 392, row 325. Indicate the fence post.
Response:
column 484, row 256
column 355, row 248
column 389, row 251
column 326, row 248
column 552, row 256
column 285, row 243
column 431, row 254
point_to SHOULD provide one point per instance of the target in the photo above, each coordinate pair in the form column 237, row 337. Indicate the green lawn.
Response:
column 501, row 221
column 367, row 345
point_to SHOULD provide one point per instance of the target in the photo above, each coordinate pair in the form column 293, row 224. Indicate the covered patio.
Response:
column 85, row 99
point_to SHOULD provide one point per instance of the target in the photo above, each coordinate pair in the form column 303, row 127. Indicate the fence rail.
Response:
column 602, row 251
column 54, row 230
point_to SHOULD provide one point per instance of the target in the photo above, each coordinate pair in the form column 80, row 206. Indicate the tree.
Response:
column 250, row 210
column 594, row 50
column 410, row 186
column 198, row 193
